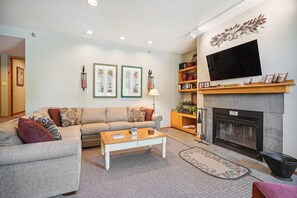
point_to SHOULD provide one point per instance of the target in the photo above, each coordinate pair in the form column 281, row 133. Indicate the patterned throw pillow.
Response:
column 32, row 132
column 149, row 114
column 55, row 116
column 69, row 117
column 49, row 125
column 136, row 114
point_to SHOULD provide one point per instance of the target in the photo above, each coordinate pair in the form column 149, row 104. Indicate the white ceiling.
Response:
column 165, row 22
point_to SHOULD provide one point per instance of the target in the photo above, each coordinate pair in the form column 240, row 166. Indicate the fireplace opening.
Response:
column 239, row 130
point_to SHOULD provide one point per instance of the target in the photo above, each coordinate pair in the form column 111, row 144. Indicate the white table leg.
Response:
column 164, row 148
column 107, row 158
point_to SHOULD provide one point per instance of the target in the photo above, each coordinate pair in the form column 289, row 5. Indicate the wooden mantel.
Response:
column 254, row 88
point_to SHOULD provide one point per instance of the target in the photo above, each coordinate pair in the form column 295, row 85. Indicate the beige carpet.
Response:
column 143, row 173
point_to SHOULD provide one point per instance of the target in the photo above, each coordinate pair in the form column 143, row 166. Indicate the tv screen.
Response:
column 239, row 61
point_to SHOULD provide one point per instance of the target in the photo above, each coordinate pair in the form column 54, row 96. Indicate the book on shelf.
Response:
column 118, row 136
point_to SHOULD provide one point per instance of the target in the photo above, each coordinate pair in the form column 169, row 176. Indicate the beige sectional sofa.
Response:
column 51, row 168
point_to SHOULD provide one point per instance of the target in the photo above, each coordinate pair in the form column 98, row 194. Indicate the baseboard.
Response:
column 18, row 113
column 166, row 127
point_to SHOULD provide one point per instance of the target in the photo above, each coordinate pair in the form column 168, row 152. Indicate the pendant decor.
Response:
column 248, row 27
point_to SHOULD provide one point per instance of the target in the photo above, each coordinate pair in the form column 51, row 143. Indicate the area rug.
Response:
column 213, row 164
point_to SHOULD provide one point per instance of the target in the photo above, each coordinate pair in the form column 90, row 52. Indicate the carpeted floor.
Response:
column 143, row 173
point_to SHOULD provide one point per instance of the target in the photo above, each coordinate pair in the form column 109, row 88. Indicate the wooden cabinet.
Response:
column 182, row 121
column 187, row 79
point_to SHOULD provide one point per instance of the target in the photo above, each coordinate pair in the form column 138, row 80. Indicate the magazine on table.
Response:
column 118, row 136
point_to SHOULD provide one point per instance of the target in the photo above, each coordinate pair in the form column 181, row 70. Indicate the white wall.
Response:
column 18, row 91
column 4, row 85
column 54, row 64
column 277, row 43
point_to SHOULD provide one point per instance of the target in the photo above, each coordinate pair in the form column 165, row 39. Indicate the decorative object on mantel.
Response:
column 213, row 164
column 269, row 79
column 281, row 77
column 83, row 79
column 232, row 33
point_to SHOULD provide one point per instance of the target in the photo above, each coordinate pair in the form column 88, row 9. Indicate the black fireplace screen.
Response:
column 238, row 130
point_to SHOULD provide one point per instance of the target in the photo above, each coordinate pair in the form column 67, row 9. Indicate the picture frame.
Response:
column 201, row 85
column 105, row 80
column 206, row 84
column 281, row 77
column 20, row 76
column 131, row 82
column 269, row 79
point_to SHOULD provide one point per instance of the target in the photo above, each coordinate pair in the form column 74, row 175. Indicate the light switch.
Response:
column 4, row 83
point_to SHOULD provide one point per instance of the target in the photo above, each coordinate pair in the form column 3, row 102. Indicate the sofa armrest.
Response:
column 157, row 119
column 39, row 151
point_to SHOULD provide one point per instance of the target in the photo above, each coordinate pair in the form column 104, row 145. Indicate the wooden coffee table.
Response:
column 109, row 143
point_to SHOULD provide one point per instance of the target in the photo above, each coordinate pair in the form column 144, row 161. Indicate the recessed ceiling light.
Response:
column 92, row 2
column 89, row 32
column 122, row 37
column 150, row 42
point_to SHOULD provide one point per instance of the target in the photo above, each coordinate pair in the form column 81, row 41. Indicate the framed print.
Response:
column 206, row 84
column 20, row 76
column 281, row 77
column 269, row 79
column 105, row 81
column 201, row 85
column 131, row 82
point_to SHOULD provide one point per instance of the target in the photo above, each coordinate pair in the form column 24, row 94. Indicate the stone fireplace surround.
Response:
column 272, row 106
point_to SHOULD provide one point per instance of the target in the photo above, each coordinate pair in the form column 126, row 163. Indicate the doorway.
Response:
column 12, row 77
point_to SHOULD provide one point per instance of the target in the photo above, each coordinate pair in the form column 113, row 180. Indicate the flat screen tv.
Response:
column 236, row 62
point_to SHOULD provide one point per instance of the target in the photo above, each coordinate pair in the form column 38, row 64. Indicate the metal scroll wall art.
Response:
column 248, row 27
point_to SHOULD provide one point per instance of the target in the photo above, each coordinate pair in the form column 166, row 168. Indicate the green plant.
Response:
column 179, row 107
column 192, row 109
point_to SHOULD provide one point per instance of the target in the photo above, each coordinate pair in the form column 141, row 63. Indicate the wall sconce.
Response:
column 83, row 79
column 150, row 83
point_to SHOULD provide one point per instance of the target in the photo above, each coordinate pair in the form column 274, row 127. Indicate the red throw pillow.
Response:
column 149, row 114
column 55, row 116
column 32, row 132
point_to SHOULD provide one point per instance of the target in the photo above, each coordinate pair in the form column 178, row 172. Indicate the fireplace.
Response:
column 239, row 130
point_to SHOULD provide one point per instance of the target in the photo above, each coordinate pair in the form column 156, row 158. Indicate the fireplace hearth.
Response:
column 239, row 130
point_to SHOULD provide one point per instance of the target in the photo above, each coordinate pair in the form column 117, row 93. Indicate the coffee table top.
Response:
column 142, row 134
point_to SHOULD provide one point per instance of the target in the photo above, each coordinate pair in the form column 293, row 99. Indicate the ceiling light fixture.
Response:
column 150, row 42
column 122, row 37
column 93, row 3
column 89, row 32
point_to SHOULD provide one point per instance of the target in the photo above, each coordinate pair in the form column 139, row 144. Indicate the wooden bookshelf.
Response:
column 179, row 120
column 187, row 69
column 254, row 88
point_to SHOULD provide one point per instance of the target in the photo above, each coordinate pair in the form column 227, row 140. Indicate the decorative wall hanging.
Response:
column 131, row 82
column 105, row 81
column 150, row 83
column 83, row 79
column 20, row 77
column 248, row 27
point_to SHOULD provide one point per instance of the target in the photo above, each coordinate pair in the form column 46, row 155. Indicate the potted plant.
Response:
column 192, row 109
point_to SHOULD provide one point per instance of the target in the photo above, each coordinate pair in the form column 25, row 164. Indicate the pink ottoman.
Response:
column 273, row 190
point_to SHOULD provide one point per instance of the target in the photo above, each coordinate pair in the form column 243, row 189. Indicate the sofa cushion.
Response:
column 93, row 115
column 32, row 132
column 9, row 133
column 70, row 132
column 149, row 114
column 55, row 116
column 43, row 111
column 94, row 128
column 145, row 124
column 114, row 114
column 49, row 125
column 136, row 114
column 120, row 125
column 69, row 116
